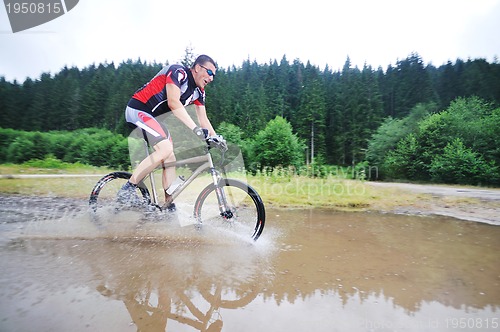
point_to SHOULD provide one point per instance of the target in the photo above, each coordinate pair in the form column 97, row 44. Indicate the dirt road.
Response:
column 467, row 203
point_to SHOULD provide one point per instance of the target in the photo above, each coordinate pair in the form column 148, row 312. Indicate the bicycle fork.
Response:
column 224, row 210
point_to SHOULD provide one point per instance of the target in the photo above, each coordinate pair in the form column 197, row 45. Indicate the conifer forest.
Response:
column 411, row 120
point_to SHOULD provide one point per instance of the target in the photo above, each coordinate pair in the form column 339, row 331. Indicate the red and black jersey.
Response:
column 152, row 97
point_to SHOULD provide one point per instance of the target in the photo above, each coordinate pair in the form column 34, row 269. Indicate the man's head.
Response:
column 203, row 70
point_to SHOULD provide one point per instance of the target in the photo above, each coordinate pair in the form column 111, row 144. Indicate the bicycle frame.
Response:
column 207, row 164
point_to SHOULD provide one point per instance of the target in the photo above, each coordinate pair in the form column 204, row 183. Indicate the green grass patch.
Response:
column 298, row 191
column 74, row 187
column 332, row 192
column 51, row 165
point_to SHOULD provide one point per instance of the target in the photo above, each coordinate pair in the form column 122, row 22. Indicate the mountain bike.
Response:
column 226, row 201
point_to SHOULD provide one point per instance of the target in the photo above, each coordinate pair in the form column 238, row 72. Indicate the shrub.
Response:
column 277, row 145
column 20, row 150
column 7, row 136
column 92, row 146
column 404, row 162
column 459, row 164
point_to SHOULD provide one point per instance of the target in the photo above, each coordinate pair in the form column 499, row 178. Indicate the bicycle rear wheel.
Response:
column 106, row 189
column 246, row 213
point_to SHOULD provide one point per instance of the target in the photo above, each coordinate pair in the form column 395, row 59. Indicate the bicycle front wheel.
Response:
column 244, row 211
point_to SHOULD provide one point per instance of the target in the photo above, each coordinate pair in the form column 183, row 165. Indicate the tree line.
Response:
column 335, row 114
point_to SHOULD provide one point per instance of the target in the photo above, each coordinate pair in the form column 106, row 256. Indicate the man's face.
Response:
column 202, row 74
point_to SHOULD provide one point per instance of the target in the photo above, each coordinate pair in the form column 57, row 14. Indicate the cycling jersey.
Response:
column 152, row 97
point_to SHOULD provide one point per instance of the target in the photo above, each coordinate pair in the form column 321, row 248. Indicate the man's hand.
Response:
column 217, row 138
column 202, row 133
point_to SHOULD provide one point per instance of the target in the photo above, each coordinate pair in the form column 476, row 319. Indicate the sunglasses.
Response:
column 209, row 71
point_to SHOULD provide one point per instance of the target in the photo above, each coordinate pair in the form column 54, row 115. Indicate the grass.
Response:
column 294, row 191
column 50, row 166
column 300, row 191
column 334, row 193
column 76, row 187
column 345, row 195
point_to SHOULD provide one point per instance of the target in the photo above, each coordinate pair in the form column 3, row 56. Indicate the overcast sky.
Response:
column 378, row 32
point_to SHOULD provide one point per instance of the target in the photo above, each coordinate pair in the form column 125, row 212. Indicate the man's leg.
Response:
column 163, row 151
column 160, row 139
column 168, row 176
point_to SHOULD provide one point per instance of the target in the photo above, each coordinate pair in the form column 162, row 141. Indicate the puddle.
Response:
column 311, row 270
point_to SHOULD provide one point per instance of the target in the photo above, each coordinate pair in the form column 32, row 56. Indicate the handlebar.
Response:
column 218, row 142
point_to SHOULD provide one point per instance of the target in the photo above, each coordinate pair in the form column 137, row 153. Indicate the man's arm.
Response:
column 201, row 113
column 174, row 103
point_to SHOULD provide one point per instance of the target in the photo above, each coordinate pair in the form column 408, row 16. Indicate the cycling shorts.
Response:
column 154, row 131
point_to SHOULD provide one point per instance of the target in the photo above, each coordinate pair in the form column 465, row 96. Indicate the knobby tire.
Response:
column 97, row 200
column 245, row 204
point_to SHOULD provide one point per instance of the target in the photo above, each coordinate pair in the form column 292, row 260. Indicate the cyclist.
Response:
column 170, row 90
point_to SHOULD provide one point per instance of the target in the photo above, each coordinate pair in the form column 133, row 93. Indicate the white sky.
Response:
column 378, row 32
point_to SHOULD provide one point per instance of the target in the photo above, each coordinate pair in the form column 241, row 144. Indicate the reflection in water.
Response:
column 313, row 270
column 189, row 286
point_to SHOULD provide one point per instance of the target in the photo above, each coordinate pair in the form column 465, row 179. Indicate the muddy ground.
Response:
column 328, row 270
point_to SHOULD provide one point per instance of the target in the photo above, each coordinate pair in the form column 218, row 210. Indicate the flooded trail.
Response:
column 311, row 270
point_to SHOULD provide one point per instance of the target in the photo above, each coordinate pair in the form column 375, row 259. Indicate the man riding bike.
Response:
column 172, row 88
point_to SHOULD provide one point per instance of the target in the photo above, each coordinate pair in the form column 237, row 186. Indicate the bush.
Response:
column 470, row 126
column 459, row 164
column 92, row 146
column 20, row 150
column 59, row 143
column 277, row 145
column 391, row 131
column 7, row 136
column 120, row 155
column 23, row 146
column 102, row 148
column 404, row 162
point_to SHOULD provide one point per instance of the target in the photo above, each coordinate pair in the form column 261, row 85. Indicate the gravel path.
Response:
column 480, row 205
